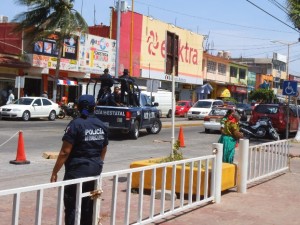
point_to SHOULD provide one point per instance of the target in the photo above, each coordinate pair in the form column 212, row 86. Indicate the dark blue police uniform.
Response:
column 88, row 137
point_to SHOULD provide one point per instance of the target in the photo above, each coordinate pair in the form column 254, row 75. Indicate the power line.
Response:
column 272, row 16
column 208, row 19
column 278, row 5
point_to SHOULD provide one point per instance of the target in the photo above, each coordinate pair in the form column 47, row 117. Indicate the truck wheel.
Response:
column 135, row 131
column 156, row 127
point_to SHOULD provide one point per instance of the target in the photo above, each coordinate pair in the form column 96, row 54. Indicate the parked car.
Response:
column 244, row 108
column 30, row 107
column 182, row 107
column 278, row 115
column 229, row 104
column 212, row 122
column 202, row 108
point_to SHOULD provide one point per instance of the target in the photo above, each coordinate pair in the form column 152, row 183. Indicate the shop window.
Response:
column 233, row 71
column 221, row 69
column 211, row 66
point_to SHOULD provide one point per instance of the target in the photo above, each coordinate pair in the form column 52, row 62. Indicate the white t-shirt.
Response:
column 10, row 99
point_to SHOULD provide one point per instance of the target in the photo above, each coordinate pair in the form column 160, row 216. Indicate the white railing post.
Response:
column 242, row 168
column 218, row 150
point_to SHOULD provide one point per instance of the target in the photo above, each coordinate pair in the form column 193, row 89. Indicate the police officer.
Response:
column 127, row 85
column 106, row 82
column 83, row 150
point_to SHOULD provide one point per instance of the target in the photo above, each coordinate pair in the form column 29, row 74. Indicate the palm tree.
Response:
column 293, row 7
column 50, row 17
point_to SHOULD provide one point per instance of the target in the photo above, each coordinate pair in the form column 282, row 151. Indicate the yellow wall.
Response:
column 153, row 48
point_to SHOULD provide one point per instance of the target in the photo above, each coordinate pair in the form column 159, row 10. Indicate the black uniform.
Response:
column 88, row 137
column 127, row 85
column 106, row 82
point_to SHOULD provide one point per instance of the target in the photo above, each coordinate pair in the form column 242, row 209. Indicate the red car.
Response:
column 182, row 107
column 278, row 115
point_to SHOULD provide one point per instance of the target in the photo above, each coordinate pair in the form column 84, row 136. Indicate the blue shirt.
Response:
column 88, row 137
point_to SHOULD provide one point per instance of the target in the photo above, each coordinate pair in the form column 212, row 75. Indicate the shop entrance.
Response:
column 32, row 87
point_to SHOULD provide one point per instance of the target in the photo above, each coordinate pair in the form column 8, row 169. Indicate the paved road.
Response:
column 42, row 136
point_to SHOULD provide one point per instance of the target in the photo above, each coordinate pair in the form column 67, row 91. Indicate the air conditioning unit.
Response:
column 3, row 19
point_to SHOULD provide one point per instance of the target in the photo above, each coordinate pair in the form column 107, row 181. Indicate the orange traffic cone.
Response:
column 21, row 156
column 181, row 137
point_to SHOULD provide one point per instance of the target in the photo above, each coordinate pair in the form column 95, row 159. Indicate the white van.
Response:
column 164, row 100
column 202, row 108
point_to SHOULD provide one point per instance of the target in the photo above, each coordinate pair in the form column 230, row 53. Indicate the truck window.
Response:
column 145, row 100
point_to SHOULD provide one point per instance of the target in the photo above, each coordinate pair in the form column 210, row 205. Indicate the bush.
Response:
column 262, row 95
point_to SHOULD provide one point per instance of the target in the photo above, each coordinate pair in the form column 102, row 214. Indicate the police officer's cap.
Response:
column 106, row 70
column 125, row 71
column 87, row 100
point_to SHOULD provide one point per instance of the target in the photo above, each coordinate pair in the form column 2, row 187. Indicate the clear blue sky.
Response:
column 233, row 25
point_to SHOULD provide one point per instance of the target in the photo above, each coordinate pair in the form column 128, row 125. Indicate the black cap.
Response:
column 106, row 70
column 87, row 100
column 125, row 71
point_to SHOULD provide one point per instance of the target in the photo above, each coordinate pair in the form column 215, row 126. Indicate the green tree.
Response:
column 293, row 7
column 264, row 95
column 50, row 17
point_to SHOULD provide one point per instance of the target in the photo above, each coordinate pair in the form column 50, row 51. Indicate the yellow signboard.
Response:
column 153, row 49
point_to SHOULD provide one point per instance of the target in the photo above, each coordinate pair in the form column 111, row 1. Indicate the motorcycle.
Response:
column 68, row 110
column 261, row 129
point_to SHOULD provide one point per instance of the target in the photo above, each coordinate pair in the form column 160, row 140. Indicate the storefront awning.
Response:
column 204, row 89
column 67, row 82
column 13, row 63
column 223, row 92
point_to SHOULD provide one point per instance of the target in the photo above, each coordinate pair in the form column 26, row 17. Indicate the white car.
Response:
column 30, row 107
column 202, row 108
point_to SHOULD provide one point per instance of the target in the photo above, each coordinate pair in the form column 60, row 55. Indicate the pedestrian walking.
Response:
column 10, row 98
column 82, row 153
column 45, row 94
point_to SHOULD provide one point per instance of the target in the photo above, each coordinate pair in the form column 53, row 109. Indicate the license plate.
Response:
column 119, row 120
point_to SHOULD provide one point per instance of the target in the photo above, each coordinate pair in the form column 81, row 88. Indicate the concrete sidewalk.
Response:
column 274, row 201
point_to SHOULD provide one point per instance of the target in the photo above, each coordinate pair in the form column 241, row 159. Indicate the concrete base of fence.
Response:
column 228, row 177
column 168, row 195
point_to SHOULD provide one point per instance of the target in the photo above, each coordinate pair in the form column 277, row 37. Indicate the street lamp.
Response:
column 288, row 44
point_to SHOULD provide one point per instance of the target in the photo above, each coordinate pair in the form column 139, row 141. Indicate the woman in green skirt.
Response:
column 230, row 136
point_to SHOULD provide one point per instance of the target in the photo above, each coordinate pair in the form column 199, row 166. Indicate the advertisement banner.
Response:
column 50, row 62
column 153, row 49
column 45, row 54
column 96, row 54
column 48, row 47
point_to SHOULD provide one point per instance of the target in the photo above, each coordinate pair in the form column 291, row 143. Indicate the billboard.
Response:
column 153, row 51
column 49, row 47
column 96, row 53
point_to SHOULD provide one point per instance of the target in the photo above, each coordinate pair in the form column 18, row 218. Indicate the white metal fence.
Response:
column 260, row 161
column 43, row 204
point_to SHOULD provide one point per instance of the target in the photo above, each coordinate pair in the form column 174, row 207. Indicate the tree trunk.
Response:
column 60, row 46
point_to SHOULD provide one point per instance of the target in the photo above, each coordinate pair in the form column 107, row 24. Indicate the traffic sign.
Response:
column 289, row 88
